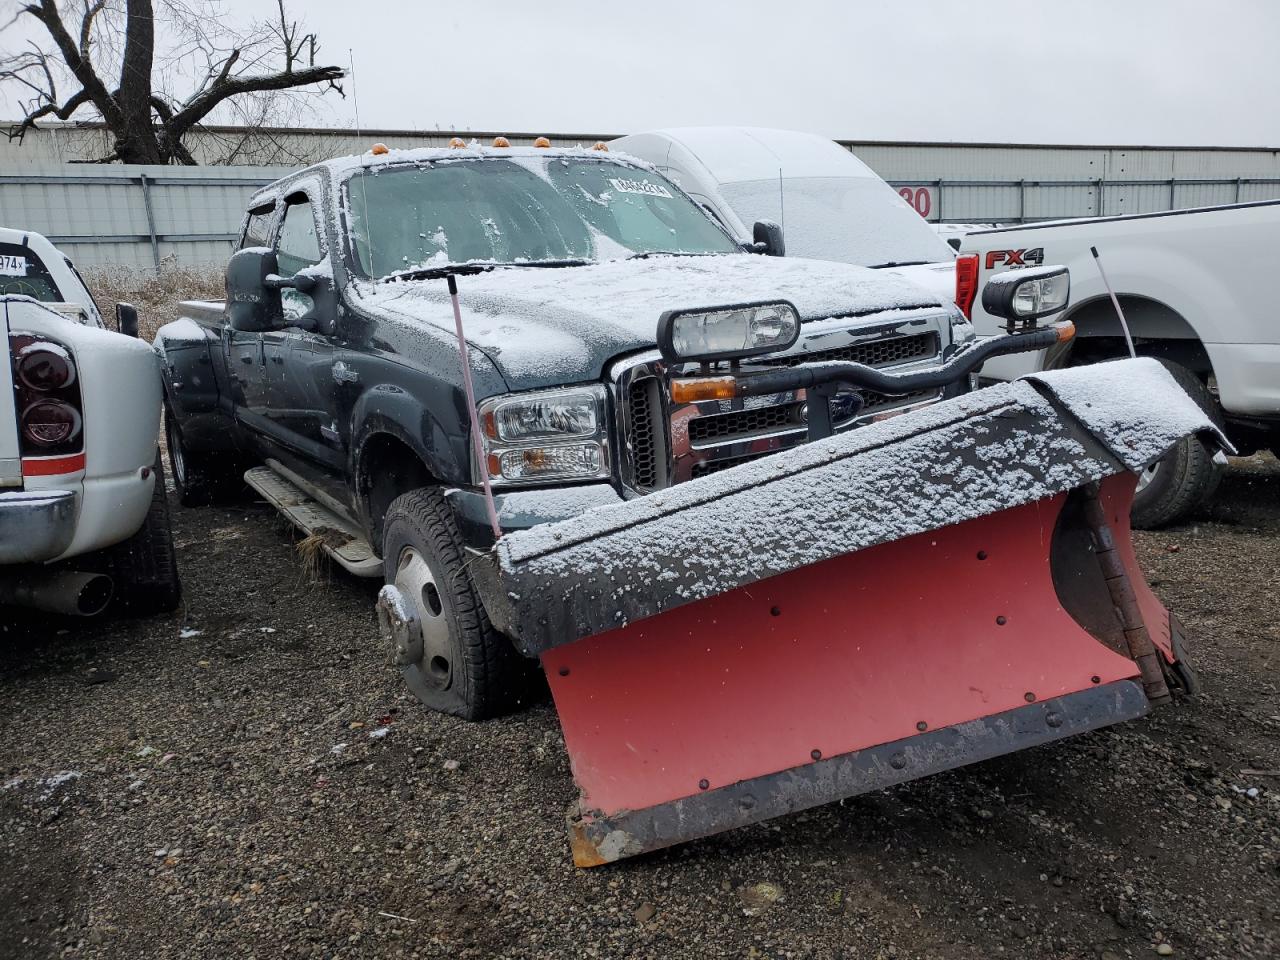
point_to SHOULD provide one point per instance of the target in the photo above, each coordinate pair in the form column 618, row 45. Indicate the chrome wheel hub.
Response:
column 412, row 618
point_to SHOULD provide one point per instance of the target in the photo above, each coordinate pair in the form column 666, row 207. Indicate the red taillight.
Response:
column 50, row 423
column 966, row 283
column 49, row 402
column 43, row 366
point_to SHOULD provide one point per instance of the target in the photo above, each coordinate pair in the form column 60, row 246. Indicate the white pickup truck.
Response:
column 1195, row 288
column 830, row 205
column 83, row 515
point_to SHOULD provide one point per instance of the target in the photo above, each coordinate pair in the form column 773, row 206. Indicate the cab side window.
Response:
column 257, row 228
column 297, row 248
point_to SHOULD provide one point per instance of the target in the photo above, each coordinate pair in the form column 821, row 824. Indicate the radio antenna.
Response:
column 1115, row 302
column 469, row 389
column 364, row 195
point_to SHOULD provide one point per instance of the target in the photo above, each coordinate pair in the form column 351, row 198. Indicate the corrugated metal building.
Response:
column 139, row 215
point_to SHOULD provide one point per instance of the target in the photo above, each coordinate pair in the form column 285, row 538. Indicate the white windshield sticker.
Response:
column 640, row 186
column 13, row 266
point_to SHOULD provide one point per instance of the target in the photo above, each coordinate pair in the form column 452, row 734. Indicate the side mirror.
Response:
column 768, row 239
column 1024, row 296
column 252, row 303
column 127, row 319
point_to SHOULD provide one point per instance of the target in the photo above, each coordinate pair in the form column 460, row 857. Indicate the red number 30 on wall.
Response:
column 919, row 198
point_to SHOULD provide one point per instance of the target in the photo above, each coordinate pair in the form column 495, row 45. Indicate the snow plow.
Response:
column 928, row 591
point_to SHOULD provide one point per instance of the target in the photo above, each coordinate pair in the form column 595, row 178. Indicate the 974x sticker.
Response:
column 11, row 266
column 623, row 185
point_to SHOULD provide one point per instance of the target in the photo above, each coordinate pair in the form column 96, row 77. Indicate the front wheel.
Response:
column 1184, row 478
column 451, row 656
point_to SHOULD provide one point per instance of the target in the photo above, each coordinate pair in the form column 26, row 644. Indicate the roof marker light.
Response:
column 600, row 145
column 457, row 143
column 501, row 142
column 542, row 142
column 379, row 149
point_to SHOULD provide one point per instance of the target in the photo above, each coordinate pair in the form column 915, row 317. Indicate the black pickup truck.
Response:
column 330, row 379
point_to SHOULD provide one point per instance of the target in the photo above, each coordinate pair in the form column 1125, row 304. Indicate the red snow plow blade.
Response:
column 892, row 602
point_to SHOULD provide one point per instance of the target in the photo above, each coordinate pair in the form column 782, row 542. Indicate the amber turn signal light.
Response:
column 457, row 143
column 542, row 142
column 379, row 149
column 501, row 142
column 600, row 145
column 703, row 388
column 1066, row 330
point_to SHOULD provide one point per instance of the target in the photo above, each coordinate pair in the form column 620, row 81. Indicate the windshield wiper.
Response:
column 462, row 269
column 897, row 263
column 646, row 254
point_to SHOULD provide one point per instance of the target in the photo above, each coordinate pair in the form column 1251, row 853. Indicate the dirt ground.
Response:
column 247, row 779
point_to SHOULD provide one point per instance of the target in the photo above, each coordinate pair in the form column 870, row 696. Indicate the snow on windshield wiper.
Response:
column 476, row 266
column 897, row 263
column 645, row 254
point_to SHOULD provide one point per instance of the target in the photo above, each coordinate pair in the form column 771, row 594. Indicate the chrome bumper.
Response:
column 36, row 525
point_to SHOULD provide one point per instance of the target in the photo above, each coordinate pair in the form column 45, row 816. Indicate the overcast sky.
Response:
column 1073, row 71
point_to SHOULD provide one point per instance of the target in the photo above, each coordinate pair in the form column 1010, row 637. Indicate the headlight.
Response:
column 550, row 435
column 1035, row 298
column 728, row 333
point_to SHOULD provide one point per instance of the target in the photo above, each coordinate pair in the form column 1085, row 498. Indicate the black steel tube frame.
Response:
column 858, row 375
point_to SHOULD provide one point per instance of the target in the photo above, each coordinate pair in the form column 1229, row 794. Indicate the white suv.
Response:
column 83, row 515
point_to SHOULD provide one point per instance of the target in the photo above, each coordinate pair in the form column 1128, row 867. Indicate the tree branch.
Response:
column 201, row 106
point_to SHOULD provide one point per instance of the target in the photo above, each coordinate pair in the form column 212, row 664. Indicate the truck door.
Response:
column 300, row 360
column 243, row 351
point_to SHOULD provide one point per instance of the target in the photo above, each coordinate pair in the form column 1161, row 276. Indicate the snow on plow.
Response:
column 921, row 593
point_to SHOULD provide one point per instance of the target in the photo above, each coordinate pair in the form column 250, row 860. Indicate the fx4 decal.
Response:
column 1015, row 258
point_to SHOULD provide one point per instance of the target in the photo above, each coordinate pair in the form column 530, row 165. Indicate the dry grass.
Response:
column 155, row 295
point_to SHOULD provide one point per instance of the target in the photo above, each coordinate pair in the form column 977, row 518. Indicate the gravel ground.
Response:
column 247, row 779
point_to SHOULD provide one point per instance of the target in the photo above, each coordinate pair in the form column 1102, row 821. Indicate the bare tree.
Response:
column 204, row 68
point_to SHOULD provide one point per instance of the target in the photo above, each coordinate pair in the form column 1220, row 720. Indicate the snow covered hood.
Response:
column 978, row 454
column 546, row 326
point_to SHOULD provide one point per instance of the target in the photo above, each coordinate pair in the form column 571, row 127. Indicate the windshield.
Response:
column 522, row 210
column 857, row 220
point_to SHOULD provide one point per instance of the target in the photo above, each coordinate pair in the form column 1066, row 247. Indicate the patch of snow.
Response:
column 377, row 733
column 186, row 633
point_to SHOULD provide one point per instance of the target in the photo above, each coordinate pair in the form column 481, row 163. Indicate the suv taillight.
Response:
column 47, row 399
column 966, row 283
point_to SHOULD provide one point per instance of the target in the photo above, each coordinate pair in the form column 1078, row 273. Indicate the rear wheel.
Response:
column 144, row 568
column 198, row 476
column 1187, row 476
column 451, row 656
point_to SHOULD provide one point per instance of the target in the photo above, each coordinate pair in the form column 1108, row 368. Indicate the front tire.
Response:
column 460, row 664
column 1187, row 476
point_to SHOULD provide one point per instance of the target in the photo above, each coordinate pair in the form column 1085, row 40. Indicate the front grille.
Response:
column 873, row 353
column 742, row 424
column 647, row 454
column 874, row 401
column 715, row 466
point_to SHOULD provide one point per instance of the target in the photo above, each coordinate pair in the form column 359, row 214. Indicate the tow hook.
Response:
column 400, row 627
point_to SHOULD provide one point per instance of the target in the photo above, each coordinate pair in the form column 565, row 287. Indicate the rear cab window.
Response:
column 24, row 274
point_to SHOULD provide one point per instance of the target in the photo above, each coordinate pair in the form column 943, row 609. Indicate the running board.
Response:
column 342, row 540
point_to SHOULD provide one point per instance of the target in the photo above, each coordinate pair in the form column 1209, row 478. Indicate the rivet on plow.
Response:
column 922, row 726
column 816, row 754
column 1053, row 718
column 704, row 784
column 1001, row 620
column 775, row 611
column 564, row 671
column 747, row 803
column 1095, row 679
column 1029, row 697
column 898, row 761
column 982, row 554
